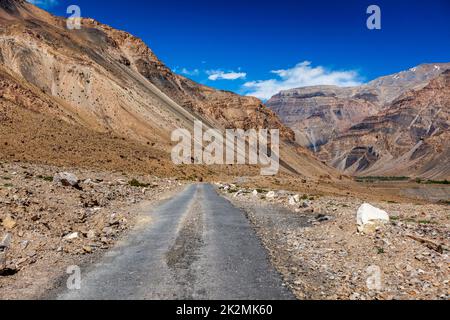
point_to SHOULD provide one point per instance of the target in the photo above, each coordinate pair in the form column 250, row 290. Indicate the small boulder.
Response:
column 91, row 234
column 293, row 201
column 305, row 204
column 370, row 218
column 9, row 223
column 2, row 260
column 87, row 249
column 239, row 193
column 4, row 245
column 271, row 195
column 6, row 241
column 255, row 193
column 71, row 236
column 24, row 244
column 121, row 182
column 66, row 179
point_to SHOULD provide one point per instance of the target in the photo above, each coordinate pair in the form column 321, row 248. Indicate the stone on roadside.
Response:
column 24, row 244
column 4, row 245
column 121, row 182
column 91, row 234
column 370, row 218
column 271, row 195
column 6, row 241
column 9, row 223
column 87, row 249
column 292, row 201
column 239, row 193
column 71, row 236
column 2, row 260
column 66, row 179
column 305, row 204
column 255, row 193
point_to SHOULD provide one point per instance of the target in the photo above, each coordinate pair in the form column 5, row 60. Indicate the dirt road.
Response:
column 195, row 246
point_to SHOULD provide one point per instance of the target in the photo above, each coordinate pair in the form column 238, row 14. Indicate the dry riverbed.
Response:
column 52, row 226
column 315, row 245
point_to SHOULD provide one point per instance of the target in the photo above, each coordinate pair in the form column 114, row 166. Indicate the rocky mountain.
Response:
column 100, row 97
column 408, row 138
column 323, row 117
column 319, row 113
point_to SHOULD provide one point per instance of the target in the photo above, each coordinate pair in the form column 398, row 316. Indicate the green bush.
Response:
column 136, row 183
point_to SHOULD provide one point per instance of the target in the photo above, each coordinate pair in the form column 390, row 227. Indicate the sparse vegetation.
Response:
column 420, row 181
column 438, row 182
column 136, row 183
column 48, row 179
column 375, row 179
column 425, row 222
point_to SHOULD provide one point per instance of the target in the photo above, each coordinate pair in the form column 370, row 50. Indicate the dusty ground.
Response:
column 316, row 246
column 41, row 215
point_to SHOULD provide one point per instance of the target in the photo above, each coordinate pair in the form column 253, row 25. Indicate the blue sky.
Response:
column 260, row 47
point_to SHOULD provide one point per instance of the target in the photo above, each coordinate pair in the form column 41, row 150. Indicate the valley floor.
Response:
column 313, row 243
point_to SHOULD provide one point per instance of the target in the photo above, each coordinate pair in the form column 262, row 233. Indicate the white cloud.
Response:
column 215, row 75
column 302, row 75
column 187, row 72
column 44, row 3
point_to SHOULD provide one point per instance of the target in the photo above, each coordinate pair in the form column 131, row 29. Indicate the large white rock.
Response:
column 369, row 218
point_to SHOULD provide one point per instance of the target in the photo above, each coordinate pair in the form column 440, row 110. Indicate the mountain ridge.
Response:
column 110, row 83
column 324, row 116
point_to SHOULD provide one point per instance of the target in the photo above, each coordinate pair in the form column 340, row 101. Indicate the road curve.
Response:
column 198, row 246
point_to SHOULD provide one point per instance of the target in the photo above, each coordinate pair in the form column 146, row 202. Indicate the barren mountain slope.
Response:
column 105, row 82
column 318, row 114
column 410, row 138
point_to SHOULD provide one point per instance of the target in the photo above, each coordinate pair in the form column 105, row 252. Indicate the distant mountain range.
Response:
column 394, row 125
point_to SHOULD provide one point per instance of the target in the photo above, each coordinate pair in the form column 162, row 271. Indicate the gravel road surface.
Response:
column 194, row 246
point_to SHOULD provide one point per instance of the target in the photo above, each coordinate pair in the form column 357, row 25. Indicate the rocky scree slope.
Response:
column 101, row 82
column 322, row 115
